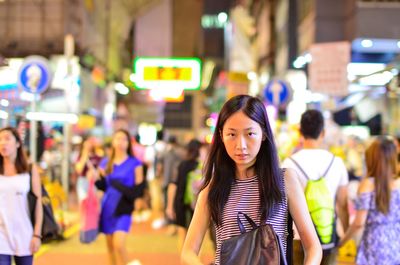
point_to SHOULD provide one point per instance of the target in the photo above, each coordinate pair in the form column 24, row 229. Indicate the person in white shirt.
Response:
column 314, row 161
column 18, row 238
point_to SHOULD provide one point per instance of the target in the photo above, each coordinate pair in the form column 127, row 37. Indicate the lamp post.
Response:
column 69, row 48
column 34, row 76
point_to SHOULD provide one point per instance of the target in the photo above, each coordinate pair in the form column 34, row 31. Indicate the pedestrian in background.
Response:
column 177, row 209
column 329, row 167
column 87, row 158
column 122, row 182
column 18, row 238
column 170, row 162
column 142, row 205
column 378, row 206
column 242, row 174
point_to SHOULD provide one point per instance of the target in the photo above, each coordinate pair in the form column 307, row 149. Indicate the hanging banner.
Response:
column 328, row 68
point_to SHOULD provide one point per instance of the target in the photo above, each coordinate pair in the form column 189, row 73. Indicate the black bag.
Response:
column 101, row 183
column 261, row 245
column 50, row 229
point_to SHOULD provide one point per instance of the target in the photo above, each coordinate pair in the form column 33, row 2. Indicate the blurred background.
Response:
column 162, row 68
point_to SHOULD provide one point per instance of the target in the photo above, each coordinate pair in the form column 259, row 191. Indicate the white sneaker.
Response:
column 146, row 215
column 157, row 224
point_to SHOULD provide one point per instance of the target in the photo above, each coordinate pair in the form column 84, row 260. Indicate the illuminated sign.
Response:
column 34, row 75
column 214, row 21
column 167, row 95
column 165, row 73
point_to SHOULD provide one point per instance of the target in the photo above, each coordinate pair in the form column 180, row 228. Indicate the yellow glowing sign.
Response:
column 167, row 73
column 164, row 73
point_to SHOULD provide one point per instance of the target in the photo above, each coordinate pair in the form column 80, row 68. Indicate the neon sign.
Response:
column 165, row 73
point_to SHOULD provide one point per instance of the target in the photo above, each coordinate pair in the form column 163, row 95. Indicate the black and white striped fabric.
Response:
column 244, row 197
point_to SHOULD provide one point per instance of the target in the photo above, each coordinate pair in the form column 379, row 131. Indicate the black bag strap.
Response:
column 289, row 239
column 30, row 176
column 249, row 220
column 289, row 246
column 305, row 174
column 30, row 179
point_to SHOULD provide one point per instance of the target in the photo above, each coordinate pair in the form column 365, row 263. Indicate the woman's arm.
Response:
column 100, row 181
column 80, row 164
column 342, row 206
column 139, row 175
column 197, row 229
column 299, row 211
column 37, row 229
column 357, row 224
column 361, row 215
column 92, row 172
column 131, row 192
column 171, row 192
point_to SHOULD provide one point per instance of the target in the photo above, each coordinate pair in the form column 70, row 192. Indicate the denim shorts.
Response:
column 23, row 260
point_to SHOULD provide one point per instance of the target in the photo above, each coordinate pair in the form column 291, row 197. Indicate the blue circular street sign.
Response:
column 34, row 75
column 276, row 92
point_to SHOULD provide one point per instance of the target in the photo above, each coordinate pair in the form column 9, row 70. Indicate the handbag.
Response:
column 90, row 212
column 50, row 229
column 259, row 246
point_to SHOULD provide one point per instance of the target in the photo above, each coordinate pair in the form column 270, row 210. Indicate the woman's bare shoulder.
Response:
column 366, row 185
column 290, row 177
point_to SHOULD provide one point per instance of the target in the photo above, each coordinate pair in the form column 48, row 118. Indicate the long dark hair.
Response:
column 21, row 160
column 381, row 160
column 219, row 169
column 129, row 151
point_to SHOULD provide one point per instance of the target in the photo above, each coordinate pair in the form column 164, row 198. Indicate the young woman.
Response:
column 87, row 158
column 177, row 209
column 18, row 238
column 242, row 174
column 123, row 183
column 378, row 206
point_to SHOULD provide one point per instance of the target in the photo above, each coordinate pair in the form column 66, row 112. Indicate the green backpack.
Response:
column 321, row 207
column 193, row 184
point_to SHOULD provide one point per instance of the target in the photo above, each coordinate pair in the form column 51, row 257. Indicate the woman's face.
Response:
column 242, row 138
column 8, row 144
column 120, row 142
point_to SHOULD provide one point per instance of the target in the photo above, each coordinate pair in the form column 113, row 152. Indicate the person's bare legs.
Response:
column 111, row 249
column 121, row 253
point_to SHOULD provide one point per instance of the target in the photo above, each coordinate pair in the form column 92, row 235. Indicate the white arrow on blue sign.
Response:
column 34, row 75
column 276, row 92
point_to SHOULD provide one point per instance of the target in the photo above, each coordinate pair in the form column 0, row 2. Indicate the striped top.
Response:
column 244, row 197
